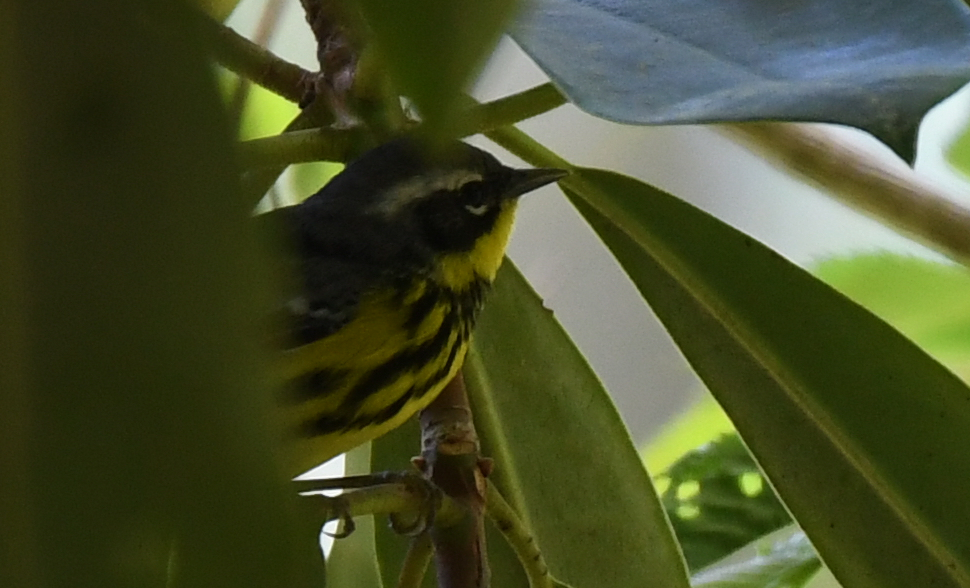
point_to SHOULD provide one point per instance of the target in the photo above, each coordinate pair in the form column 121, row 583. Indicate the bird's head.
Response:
column 458, row 204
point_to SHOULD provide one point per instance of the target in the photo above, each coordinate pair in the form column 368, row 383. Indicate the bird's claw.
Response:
column 338, row 505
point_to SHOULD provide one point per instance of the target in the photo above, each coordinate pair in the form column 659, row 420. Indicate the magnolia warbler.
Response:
column 391, row 261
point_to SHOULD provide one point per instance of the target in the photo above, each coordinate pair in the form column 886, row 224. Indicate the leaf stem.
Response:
column 518, row 537
column 416, row 562
column 897, row 196
column 320, row 144
column 511, row 109
column 527, row 148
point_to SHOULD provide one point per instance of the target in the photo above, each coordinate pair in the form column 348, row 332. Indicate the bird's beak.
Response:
column 527, row 180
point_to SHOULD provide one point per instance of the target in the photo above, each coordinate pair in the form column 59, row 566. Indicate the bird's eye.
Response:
column 474, row 197
column 476, row 209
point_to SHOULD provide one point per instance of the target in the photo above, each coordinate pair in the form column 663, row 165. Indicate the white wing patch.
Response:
column 402, row 194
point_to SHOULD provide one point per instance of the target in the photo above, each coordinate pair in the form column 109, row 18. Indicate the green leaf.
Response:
column 861, row 433
column 958, row 153
column 433, row 48
column 788, row 564
column 929, row 302
column 717, row 501
column 874, row 64
column 704, row 421
column 136, row 447
column 217, row 9
column 563, row 457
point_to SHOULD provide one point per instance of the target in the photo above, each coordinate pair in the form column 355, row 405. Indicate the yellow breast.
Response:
column 392, row 359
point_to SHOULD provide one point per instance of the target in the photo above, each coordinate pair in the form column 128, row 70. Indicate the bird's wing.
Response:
column 330, row 297
column 322, row 291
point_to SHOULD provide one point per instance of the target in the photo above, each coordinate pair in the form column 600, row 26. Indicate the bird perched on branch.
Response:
column 391, row 262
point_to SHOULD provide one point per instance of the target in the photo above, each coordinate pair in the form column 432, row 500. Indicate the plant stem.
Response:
column 491, row 118
column 511, row 109
column 302, row 146
column 265, row 29
column 897, row 196
column 250, row 61
column 519, row 539
column 527, row 148
column 416, row 562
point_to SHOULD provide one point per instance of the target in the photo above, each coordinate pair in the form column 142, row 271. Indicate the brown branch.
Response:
column 337, row 52
column 267, row 26
column 896, row 195
column 451, row 459
column 248, row 60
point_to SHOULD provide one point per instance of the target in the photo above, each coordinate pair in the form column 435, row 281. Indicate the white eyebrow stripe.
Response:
column 400, row 195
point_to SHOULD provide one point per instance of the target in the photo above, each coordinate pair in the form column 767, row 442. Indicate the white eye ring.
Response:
column 477, row 210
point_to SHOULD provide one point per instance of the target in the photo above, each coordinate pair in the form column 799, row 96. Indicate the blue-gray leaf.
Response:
column 874, row 64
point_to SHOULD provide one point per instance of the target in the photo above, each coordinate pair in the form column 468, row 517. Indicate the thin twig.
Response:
column 416, row 562
column 340, row 145
column 247, row 59
column 896, row 195
column 519, row 538
column 511, row 109
column 268, row 23
column 302, row 146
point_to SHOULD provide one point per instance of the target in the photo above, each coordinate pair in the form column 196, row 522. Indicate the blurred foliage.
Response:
column 718, row 501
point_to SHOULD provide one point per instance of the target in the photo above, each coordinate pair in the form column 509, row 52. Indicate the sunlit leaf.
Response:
column 718, row 502
column 217, row 9
column 857, row 428
column 927, row 301
column 702, row 422
column 958, row 153
column 875, row 64
column 787, row 564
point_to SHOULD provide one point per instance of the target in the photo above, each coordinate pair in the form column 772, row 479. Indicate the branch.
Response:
column 322, row 144
column 303, row 146
column 450, row 458
column 268, row 23
column 250, row 61
column 897, row 196
column 511, row 109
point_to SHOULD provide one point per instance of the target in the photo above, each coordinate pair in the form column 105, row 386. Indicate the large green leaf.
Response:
column 860, row 431
column 875, row 64
column 136, row 448
column 432, row 48
column 563, row 457
column 927, row 301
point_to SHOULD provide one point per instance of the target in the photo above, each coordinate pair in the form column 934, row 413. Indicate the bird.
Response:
column 387, row 267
